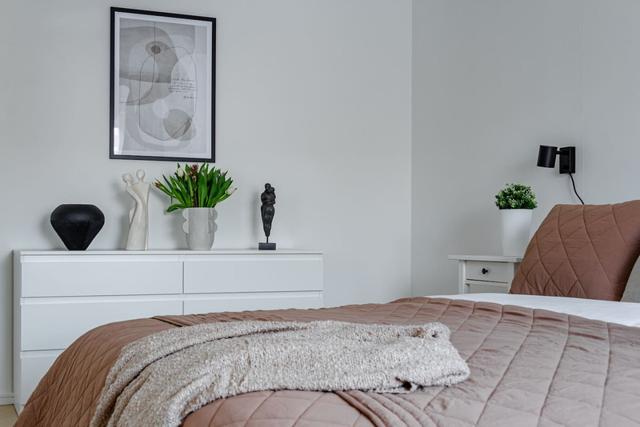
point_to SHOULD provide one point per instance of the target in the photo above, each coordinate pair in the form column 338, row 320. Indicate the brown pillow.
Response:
column 582, row 251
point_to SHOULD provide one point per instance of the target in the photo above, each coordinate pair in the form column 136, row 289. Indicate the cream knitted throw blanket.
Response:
column 160, row 379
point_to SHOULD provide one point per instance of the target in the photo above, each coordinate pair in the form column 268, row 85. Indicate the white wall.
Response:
column 313, row 96
column 493, row 79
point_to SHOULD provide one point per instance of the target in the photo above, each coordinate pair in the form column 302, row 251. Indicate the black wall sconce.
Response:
column 547, row 159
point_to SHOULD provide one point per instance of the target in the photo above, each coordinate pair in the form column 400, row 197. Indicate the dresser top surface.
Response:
column 63, row 252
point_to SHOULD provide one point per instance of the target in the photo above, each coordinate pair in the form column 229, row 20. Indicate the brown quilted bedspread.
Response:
column 528, row 367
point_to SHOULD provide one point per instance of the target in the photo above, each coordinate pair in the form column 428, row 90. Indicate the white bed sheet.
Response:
column 624, row 313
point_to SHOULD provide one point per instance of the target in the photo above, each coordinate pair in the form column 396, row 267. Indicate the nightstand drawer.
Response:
column 489, row 271
column 477, row 287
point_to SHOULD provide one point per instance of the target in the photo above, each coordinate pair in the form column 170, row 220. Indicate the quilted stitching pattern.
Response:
column 582, row 251
column 528, row 367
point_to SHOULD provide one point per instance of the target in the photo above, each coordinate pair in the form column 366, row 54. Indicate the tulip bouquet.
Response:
column 193, row 186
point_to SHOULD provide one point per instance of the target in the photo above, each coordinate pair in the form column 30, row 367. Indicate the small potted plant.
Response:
column 197, row 190
column 516, row 203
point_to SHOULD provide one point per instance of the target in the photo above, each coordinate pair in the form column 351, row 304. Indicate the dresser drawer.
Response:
column 253, row 274
column 220, row 303
column 83, row 277
column 53, row 325
column 34, row 364
column 489, row 271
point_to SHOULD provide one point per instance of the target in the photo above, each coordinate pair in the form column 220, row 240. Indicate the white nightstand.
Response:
column 485, row 273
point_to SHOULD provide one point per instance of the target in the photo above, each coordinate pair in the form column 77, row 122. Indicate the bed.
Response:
column 552, row 355
column 529, row 366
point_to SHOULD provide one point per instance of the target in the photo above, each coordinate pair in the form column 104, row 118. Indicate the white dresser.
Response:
column 60, row 295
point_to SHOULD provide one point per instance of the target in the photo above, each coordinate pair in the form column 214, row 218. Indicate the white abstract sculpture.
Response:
column 138, row 239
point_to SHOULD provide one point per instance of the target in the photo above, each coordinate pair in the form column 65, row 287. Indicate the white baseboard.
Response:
column 6, row 398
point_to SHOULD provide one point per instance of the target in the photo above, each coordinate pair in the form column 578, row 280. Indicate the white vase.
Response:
column 516, row 225
column 200, row 227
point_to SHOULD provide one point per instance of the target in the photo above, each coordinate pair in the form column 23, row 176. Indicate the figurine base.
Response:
column 266, row 246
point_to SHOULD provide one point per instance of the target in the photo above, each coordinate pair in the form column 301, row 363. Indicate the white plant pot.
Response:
column 200, row 227
column 516, row 225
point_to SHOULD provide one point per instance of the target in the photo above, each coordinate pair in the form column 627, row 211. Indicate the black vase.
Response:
column 77, row 225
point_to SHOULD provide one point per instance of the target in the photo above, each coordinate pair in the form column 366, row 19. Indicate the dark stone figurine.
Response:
column 267, row 211
column 77, row 225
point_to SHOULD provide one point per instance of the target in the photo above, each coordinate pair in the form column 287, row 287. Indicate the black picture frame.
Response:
column 112, row 77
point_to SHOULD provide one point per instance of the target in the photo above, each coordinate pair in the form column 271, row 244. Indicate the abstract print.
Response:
column 164, row 81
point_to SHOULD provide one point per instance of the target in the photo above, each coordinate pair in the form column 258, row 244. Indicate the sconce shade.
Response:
column 547, row 159
column 547, row 156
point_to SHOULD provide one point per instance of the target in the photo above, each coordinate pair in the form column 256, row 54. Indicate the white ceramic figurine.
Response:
column 138, row 239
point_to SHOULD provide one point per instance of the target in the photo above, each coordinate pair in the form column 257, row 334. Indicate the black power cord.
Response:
column 574, row 188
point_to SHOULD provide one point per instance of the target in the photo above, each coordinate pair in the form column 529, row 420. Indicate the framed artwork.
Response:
column 162, row 86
